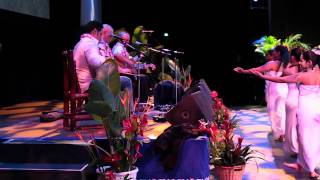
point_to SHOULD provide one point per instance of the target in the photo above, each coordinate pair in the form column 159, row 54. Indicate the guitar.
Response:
column 138, row 66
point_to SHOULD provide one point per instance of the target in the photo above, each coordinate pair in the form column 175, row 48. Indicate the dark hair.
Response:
column 269, row 52
column 90, row 26
column 296, row 52
column 311, row 56
column 284, row 53
column 315, row 58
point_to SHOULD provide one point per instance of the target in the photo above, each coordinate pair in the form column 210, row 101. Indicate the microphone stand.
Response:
column 163, row 58
column 175, row 60
column 176, row 76
column 138, row 72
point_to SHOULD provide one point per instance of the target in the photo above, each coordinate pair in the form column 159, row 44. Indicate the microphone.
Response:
column 117, row 37
column 174, row 52
column 147, row 31
column 140, row 43
column 159, row 51
column 166, row 50
column 178, row 52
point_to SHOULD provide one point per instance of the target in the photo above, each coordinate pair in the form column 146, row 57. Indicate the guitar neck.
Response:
column 140, row 66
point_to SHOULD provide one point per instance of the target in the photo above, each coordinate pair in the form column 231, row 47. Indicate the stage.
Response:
column 20, row 123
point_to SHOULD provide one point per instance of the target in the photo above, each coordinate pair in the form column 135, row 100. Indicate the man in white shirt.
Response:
column 105, row 50
column 126, row 65
column 86, row 54
column 119, row 50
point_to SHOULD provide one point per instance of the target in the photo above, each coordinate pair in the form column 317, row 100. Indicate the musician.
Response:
column 126, row 64
column 86, row 54
column 105, row 50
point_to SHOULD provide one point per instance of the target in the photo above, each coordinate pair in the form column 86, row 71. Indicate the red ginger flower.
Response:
column 213, row 130
column 137, row 154
column 238, row 147
column 127, row 126
column 110, row 175
column 113, row 159
column 218, row 104
column 144, row 120
column 214, row 94
column 228, row 128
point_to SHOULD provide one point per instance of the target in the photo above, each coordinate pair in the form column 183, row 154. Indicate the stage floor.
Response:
column 21, row 121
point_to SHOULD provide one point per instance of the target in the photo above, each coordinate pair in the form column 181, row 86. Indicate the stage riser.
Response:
column 44, row 159
column 45, row 175
column 44, row 153
column 53, row 151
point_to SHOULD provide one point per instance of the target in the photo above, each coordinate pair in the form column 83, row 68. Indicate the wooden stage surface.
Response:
column 21, row 121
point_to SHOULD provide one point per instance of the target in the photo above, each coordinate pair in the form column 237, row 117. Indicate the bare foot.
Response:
column 314, row 175
column 294, row 166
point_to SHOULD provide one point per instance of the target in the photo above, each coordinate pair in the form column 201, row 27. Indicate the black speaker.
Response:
column 165, row 93
column 193, row 106
column 199, row 85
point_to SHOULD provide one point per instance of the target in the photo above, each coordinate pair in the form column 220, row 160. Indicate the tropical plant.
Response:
column 183, row 76
column 266, row 43
column 223, row 150
column 110, row 106
column 139, row 35
column 293, row 41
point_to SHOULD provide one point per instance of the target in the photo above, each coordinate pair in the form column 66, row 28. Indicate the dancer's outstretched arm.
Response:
column 284, row 79
column 264, row 68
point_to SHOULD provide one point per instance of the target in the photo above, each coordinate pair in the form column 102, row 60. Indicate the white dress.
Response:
column 309, row 126
column 266, row 87
column 276, row 98
column 291, row 143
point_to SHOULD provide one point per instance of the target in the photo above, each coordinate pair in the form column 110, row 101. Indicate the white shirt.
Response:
column 105, row 50
column 87, row 60
column 119, row 48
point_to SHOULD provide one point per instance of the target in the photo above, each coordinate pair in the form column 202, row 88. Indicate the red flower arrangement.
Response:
column 224, row 151
column 123, row 150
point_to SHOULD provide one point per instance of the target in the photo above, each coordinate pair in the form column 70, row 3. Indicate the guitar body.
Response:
column 139, row 66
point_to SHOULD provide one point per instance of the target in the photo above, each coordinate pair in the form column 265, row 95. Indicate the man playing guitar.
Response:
column 128, row 65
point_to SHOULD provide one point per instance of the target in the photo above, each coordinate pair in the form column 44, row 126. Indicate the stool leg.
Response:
column 66, row 113
column 73, row 114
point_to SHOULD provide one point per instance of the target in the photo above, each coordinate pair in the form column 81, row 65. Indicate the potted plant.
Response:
column 229, row 158
column 123, row 130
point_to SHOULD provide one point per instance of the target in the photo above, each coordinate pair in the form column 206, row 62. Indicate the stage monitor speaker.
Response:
column 200, row 85
column 191, row 109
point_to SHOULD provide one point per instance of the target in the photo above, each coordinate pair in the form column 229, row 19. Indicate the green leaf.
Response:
column 138, row 35
column 111, row 76
column 174, row 66
column 99, row 109
column 265, row 44
column 113, row 124
column 101, row 100
column 187, row 71
column 164, row 76
column 293, row 41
